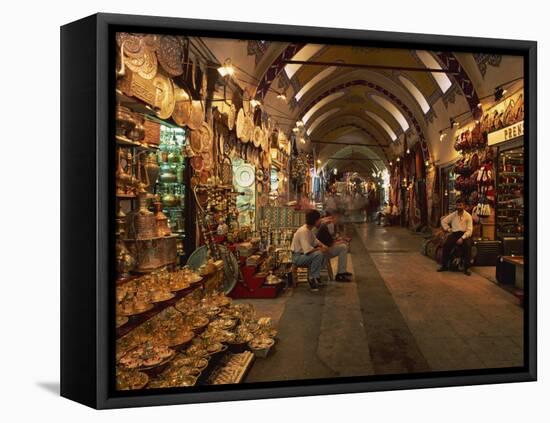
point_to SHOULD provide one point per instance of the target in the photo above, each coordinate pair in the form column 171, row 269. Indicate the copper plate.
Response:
column 240, row 124
column 170, row 55
column 257, row 136
column 231, row 112
column 195, row 141
column 207, row 161
column 265, row 140
column 197, row 115
column 164, row 101
column 207, row 137
column 204, row 176
column 250, row 128
column 182, row 112
column 196, row 163
column 133, row 43
column 152, row 41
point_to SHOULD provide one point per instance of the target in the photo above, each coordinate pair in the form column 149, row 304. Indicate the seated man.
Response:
column 336, row 247
column 307, row 250
column 459, row 224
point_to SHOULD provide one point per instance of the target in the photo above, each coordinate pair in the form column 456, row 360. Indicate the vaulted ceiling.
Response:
column 355, row 117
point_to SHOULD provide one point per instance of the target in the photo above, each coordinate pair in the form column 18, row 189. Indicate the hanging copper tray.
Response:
column 240, row 124
column 265, row 140
column 170, row 53
column 197, row 163
column 250, row 128
column 133, row 44
column 197, row 115
column 231, row 112
column 164, row 101
column 204, row 176
column 152, row 41
column 182, row 113
column 195, row 142
column 145, row 64
column 207, row 161
column 257, row 136
column 207, row 136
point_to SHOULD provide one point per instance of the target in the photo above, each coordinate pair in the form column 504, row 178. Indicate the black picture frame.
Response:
column 87, row 304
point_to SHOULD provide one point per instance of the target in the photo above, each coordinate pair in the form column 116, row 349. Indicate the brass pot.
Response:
column 137, row 133
column 125, row 262
column 152, row 170
column 169, row 200
column 124, row 120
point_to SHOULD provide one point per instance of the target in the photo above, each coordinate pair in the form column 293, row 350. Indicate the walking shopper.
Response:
column 459, row 224
column 308, row 251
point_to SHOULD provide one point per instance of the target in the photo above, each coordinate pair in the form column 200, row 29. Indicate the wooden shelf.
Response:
column 129, row 143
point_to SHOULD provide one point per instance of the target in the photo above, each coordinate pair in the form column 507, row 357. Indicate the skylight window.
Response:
column 322, row 103
column 320, row 119
column 429, row 61
column 319, row 77
column 304, row 54
column 394, row 111
column 415, row 92
column 383, row 124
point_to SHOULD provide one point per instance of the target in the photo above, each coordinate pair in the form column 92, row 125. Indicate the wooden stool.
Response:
column 300, row 274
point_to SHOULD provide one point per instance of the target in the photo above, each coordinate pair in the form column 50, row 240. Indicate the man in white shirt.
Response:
column 308, row 251
column 460, row 226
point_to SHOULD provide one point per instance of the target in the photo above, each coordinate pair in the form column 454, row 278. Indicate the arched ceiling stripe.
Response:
column 320, row 119
column 276, row 67
column 394, row 111
column 312, row 82
column 416, row 93
column 321, row 103
column 383, row 124
column 386, row 93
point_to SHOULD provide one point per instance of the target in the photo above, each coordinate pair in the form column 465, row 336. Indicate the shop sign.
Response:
column 505, row 134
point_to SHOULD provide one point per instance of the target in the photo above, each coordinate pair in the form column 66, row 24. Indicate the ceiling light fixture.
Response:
column 499, row 93
column 255, row 103
column 295, row 130
column 281, row 96
column 398, row 159
column 302, row 140
column 226, row 69
column 299, row 124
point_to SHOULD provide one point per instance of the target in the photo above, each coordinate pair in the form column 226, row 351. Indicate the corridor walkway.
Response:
column 398, row 316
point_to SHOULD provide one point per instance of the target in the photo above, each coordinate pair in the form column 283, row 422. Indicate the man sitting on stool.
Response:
column 460, row 225
column 336, row 247
column 308, row 251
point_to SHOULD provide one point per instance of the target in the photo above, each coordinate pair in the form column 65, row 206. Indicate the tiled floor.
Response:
column 398, row 316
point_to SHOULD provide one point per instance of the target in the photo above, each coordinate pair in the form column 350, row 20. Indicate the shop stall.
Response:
column 196, row 161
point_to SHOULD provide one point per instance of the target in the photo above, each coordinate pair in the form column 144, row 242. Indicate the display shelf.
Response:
column 123, row 141
column 126, row 196
column 135, row 321
column 149, row 239
column 508, row 215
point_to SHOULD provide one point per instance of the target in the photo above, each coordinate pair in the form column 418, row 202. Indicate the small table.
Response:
column 518, row 262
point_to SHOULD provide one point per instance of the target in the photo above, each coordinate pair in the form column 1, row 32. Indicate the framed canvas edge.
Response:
column 103, row 400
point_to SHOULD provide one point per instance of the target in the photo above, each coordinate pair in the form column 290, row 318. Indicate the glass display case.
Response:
column 509, row 198
column 171, row 184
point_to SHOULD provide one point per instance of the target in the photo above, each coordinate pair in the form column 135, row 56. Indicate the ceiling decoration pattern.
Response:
column 483, row 59
column 385, row 92
column 257, row 48
column 275, row 68
column 451, row 63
